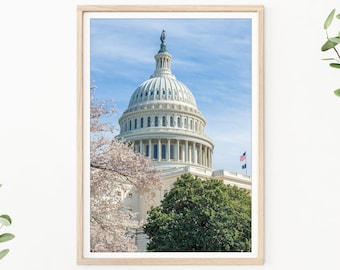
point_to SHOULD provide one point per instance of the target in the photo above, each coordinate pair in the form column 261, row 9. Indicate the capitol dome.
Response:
column 163, row 122
column 162, row 88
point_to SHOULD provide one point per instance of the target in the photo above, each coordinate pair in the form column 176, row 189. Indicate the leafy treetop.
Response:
column 201, row 215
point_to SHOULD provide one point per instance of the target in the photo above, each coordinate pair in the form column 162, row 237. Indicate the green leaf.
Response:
column 3, row 253
column 337, row 92
column 329, row 19
column 6, row 237
column 5, row 220
column 335, row 65
column 335, row 40
column 338, row 16
column 328, row 45
column 328, row 59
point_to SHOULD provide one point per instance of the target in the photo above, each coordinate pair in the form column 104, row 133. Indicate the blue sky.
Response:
column 212, row 57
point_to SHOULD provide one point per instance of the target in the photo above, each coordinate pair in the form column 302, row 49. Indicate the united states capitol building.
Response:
column 163, row 122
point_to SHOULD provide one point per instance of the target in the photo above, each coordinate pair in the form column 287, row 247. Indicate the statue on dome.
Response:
column 163, row 45
column 163, row 36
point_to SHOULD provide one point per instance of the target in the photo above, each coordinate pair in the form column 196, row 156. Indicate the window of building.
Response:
column 142, row 122
column 155, row 151
column 179, row 122
column 163, row 151
column 191, row 127
column 135, row 123
column 163, row 121
column 149, row 121
column 156, row 121
column 163, row 92
column 171, row 121
column 185, row 123
column 146, row 94
column 172, row 152
column 130, row 125
column 130, row 195
column 151, row 93
column 147, row 150
column 157, row 92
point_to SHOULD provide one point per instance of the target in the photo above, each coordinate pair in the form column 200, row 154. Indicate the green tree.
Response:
column 201, row 215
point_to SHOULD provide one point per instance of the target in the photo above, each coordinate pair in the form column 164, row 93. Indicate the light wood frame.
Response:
column 81, row 259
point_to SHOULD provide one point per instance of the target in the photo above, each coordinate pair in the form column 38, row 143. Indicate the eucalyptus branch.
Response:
column 337, row 52
column 331, row 43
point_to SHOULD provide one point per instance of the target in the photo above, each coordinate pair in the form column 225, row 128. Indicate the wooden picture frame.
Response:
column 255, row 13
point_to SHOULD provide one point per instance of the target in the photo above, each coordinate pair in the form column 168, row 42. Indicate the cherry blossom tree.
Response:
column 115, row 171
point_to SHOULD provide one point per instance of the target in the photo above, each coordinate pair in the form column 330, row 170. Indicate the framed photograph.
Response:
column 170, row 135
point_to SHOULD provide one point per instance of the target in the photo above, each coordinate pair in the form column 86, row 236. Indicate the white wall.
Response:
column 38, row 135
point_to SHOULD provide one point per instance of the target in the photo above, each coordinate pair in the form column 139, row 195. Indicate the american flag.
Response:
column 243, row 157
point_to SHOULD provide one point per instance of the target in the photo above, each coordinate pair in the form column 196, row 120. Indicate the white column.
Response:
column 186, row 151
column 200, row 155
column 150, row 150
column 168, row 150
column 183, row 152
column 177, row 150
column 159, row 150
column 194, row 153
column 205, row 156
column 208, row 157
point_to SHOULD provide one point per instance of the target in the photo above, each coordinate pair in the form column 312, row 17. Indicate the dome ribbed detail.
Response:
column 162, row 89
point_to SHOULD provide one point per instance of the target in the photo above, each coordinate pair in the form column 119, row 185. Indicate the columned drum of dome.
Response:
column 163, row 122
